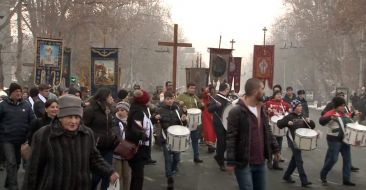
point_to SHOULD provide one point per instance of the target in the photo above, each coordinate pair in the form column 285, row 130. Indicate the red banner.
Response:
column 234, row 73
column 199, row 76
column 263, row 63
column 219, row 63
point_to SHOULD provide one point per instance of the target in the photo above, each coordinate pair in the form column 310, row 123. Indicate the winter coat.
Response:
column 37, row 124
column 63, row 160
column 190, row 101
column 288, row 99
column 305, row 107
column 100, row 120
column 15, row 119
column 216, row 110
column 335, row 132
column 280, row 106
column 239, row 133
column 298, row 123
column 39, row 108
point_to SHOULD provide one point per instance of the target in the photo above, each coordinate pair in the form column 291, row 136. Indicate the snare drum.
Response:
column 306, row 139
column 178, row 138
column 276, row 131
column 355, row 134
column 194, row 117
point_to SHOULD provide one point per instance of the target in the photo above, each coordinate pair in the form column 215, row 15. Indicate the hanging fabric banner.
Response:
column 219, row 63
column 263, row 63
column 104, row 69
column 66, row 68
column 198, row 76
column 234, row 73
column 48, row 63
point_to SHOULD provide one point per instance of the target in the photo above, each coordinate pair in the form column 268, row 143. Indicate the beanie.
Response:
column 123, row 105
column 141, row 97
column 338, row 101
column 69, row 105
column 13, row 87
column 295, row 103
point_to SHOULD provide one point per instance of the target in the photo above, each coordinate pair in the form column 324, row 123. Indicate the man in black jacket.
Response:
column 15, row 119
column 249, row 138
column 216, row 107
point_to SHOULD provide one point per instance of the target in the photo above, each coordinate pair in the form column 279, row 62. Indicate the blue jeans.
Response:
column 251, row 177
column 108, row 157
column 194, row 137
column 296, row 162
column 12, row 158
column 171, row 160
column 334, row 148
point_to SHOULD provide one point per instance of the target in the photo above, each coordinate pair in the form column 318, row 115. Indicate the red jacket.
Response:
column 280, row 106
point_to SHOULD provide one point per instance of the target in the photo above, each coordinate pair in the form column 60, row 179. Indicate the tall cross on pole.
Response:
column 175, row 46
column 232, row 43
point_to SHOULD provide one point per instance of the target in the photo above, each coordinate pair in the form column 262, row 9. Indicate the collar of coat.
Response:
column 57, row 130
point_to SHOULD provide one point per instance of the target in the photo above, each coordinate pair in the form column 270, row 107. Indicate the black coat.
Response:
column 298, row 120
column 15, row 119
column 217, row 111
column 39, row 108
column 305, row 107
column 100, row 120
column 37, row 124
column 64, row 160
column 238, row 136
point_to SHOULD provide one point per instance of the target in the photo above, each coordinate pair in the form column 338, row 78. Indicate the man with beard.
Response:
column 249, row 138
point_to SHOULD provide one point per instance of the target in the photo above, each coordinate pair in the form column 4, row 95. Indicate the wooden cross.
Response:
column 175, row 46
column 232, row 43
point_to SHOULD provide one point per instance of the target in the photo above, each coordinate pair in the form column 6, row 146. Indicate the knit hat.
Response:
column 122, row 94
column 69, row 105
column 123, row 105
column 141, row 97
column 338, row 101
column 295, row 103
column 13, row 87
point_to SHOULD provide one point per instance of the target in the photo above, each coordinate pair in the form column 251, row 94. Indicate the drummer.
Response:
column 335, row 137
column 277, row 106
column 293, row 121
column 189, row 100
column 167, row 115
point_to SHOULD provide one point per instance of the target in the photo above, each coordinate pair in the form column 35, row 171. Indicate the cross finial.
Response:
column 232, row 43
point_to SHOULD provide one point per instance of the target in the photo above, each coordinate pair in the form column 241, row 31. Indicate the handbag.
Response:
column 126, row 149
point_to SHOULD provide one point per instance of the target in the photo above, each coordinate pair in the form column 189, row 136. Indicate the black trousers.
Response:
column 137, row 165
column 220, row 143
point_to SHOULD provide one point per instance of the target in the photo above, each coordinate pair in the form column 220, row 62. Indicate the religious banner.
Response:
column 219, row 63
column 104, row 69
column 66, row 68
column 198, row 76
column 48, row 63
column 309, row 95
column 234, row 72
column 263, row 63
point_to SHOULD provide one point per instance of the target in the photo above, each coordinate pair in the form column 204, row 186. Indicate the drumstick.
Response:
column 176, row 111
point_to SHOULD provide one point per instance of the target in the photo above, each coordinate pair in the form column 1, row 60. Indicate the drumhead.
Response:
column 275, row 118
column 356, row 126
column 178, row 130
column 304, row 132
column 193, row 111
column 225, row 114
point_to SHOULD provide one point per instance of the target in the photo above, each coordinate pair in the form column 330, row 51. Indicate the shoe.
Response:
column 277, row 168
column 150, row 162
column 288, row 180
column 223, row 168
column 323, row 180
column 307, row 184
column 348, row 183
column 211, row 149
column 170, row 183
column 281, row 160
column 197, row 160
column 354, row 169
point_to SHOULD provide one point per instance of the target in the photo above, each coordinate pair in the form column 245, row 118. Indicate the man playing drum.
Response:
column 217, row 106
column 168, row 114
column 294, row 121
column 189, row 100
column 277, row 106
column 335, row 136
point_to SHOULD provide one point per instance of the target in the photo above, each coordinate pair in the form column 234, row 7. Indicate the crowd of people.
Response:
column 65, row 141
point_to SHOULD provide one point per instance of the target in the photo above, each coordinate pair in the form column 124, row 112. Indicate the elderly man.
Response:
column 64, row 152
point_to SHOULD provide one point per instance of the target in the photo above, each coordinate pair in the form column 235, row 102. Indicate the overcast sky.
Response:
column 242, row 20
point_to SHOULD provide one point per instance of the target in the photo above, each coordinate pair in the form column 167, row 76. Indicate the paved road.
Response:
column 207, row 176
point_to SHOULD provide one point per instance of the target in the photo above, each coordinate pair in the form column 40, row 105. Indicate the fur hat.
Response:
column 69, row 105
column 141, row 97
column 123, row 105
column 295, row 103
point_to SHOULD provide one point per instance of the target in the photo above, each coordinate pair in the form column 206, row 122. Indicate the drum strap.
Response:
column 176, row 111
column 195, row 101
column 306, row 122
column 341, row 124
